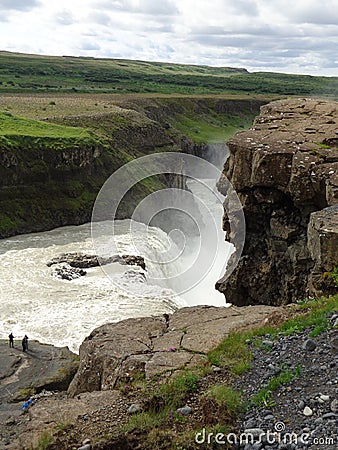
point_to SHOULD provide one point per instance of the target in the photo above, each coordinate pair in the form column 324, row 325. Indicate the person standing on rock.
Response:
column 11, row 340
column 26, row 338
column 167, row 319
column 24, row 344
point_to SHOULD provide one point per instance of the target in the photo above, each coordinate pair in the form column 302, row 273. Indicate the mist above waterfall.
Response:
column 189, row 211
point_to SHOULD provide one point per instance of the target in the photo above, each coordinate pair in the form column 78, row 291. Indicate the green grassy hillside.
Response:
column 16, row 132
column 33, row 73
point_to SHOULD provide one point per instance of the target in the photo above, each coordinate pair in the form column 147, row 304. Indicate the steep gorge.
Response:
column 43, row 186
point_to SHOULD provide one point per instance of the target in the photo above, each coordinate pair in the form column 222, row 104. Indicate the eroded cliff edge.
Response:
column 284, row 170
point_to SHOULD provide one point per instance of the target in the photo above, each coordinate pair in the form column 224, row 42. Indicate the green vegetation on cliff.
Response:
column 35, row 73
column 39, row 168
column 57, row 151
column 16, row 132
column 211, row 128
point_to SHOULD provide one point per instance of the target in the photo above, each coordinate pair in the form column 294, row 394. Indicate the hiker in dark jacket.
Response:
column 11, row 340
column 24, row 344
column 26, row 337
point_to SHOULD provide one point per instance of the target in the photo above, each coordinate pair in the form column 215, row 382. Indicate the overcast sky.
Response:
column 293, row 36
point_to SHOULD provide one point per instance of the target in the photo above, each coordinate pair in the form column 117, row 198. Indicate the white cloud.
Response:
column 18, row 5
column 162, row 7
column 276, row 35
column 322, row 12
column 65, row 17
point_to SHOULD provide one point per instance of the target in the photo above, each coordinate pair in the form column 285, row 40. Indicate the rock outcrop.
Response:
column 118, row 353
column 83, row 261
column 285, row 172
column 22, row 374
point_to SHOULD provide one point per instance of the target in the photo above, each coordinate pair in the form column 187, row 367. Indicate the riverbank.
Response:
column 25, row 374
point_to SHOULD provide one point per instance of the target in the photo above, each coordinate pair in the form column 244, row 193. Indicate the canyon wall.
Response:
column 42, row 187
column 285, row 172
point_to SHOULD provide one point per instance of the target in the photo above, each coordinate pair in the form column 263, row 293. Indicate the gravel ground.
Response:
column 307, row 406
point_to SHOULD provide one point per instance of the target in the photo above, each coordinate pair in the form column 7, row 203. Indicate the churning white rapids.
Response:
column 64, row 312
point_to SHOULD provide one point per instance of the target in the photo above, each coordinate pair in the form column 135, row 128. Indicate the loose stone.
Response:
column 309, row 345
column 307, row 411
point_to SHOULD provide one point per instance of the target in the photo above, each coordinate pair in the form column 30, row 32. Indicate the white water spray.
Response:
column 64, row 312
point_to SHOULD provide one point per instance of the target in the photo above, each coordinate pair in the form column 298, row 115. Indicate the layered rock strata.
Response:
column 284, row 170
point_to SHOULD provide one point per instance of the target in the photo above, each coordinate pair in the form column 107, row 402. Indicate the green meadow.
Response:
column 53, row 74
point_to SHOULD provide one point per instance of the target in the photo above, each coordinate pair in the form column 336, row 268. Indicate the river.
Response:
column 63, row 313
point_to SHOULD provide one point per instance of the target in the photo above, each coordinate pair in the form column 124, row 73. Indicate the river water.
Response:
column 61, row 312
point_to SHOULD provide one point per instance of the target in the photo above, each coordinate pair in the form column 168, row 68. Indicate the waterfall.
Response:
column 64, row 312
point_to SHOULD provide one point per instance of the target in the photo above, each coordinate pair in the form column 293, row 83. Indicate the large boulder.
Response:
column 115, row 354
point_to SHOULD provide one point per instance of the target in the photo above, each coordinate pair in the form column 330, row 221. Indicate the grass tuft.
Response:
column 264, row 395
column 175, row 391
column 227, row 397
column 233, row 353
column 45, row 440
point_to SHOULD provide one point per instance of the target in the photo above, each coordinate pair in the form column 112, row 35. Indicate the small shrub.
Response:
column 45, row 439
column 225, row 396
column 334, row 276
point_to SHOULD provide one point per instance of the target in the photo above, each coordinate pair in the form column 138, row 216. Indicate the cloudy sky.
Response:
column 294, row 36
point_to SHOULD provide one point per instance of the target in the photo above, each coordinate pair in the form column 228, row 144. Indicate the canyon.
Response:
column 284, row 170
column 49, row 182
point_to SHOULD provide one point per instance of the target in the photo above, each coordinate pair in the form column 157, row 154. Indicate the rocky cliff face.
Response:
column 42, row 187
column 285, row 171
